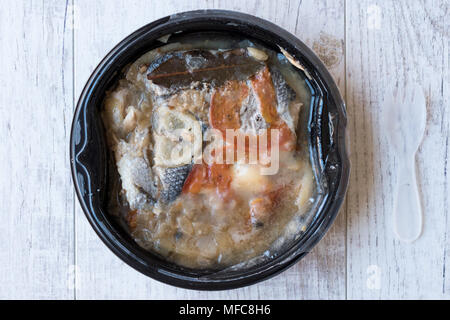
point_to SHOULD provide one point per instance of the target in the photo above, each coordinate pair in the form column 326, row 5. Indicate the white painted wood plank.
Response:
column 37, row 261
column 36, row 196
column 388, row 41
column 101, row 24
column 445, row 27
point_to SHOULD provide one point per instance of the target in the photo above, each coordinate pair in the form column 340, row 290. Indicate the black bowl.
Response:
column 89, row 154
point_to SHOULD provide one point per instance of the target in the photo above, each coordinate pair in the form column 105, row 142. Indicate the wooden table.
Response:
column 48, row 50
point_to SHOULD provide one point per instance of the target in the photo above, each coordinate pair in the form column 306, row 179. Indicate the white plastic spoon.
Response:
column 404, row 116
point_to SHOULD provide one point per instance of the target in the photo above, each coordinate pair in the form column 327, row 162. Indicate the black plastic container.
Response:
column 89, row 155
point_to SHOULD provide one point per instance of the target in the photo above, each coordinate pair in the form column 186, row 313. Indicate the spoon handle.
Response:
column 407, row 207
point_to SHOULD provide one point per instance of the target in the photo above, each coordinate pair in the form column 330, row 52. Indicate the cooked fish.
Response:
column 288, row 105
column 251, row 118
column 177, row 137
column 137, row 181
column 172, row 180
column 284, row 93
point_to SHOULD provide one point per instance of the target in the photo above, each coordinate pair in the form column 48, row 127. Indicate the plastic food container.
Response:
column 327, row 144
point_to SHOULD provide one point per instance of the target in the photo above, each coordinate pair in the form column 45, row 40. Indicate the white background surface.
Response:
column 48, row 50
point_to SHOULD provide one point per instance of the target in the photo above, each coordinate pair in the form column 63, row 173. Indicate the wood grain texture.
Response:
column 387, row 42
column 36, row 232
column 321, row 275
column 47, row 248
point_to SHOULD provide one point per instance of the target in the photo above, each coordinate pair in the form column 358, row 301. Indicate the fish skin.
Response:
column 172, row 180
column 252, row 120
column 138, row 181
column 284, row 93
column 285, row 96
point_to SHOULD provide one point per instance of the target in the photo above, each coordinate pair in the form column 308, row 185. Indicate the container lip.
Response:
column 120, row 247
